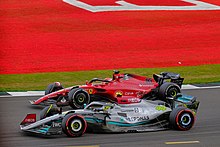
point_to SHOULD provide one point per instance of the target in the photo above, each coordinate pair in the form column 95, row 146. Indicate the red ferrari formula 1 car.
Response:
column 121, row 88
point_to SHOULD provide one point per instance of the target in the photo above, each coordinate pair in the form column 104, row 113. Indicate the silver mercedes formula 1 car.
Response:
column 145, row 115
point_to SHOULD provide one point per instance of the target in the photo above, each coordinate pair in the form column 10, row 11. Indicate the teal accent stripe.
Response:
column 44, row 130
column 126, row 124
column 185, row 98
column 93, row 120
column 96, row 120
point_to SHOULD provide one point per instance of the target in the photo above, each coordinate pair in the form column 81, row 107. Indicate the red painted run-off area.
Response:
column 50, row 35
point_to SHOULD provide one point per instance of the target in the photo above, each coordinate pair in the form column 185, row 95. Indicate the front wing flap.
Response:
column 48, row 126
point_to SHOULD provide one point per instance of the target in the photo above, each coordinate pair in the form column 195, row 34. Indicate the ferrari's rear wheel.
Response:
column 74, row 125
column 53, row 87
column 168, row 89
column 48, row 111
column 78, row 97
column 182, row 118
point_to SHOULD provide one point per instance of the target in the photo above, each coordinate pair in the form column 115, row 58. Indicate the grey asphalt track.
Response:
column 206, row 131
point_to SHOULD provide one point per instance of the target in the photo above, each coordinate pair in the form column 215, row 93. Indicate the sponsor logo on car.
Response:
column 118, row 93
column 134, row 100
column 160, row 108
column 56, row 124
column 137, row 118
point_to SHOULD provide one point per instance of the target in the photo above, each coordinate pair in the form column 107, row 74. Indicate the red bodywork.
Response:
column 122, row 88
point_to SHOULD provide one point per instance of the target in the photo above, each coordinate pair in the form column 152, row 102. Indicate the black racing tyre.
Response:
column 168, row 89
column 74, row 125
column 48, row 111
column 181, row 118
column 53, row 87
column 78, row 97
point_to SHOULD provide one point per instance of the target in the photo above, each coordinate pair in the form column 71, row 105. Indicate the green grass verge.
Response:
column 39, row 81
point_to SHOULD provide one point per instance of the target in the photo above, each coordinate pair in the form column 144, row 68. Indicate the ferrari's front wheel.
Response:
column 182, row 118
column 78, row 97
column 53, row 87
column 74, row 125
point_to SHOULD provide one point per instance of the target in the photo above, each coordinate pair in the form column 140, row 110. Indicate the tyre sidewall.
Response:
column 67, row 122
column 172, row 88
column 53, row 87
column 177, row 116
column 49, row 88
column 74, row 98
column 166, row 89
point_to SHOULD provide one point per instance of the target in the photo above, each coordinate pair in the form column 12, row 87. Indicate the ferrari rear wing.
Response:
column 174, row 78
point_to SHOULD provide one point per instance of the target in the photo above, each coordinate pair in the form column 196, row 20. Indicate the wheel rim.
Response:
column 185, row 119
column 172, row 92
column 76, row 125
column 80, row 99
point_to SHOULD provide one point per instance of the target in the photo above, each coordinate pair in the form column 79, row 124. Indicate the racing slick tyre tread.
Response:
column 181, row 118
column 48, row 111
column 53, row 87
column 74, row 125
column 168, row 89
column 78, row 97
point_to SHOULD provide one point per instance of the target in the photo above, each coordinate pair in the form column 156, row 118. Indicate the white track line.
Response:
column 125, row 6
